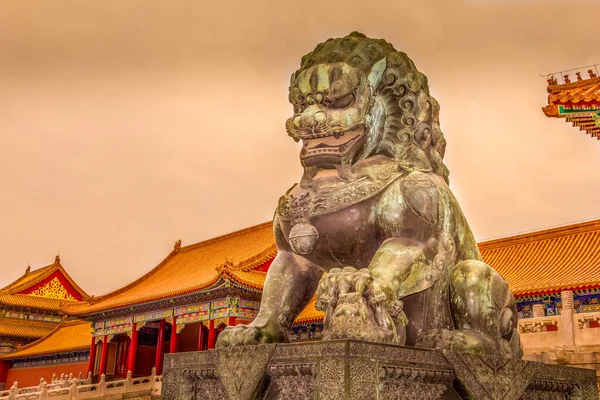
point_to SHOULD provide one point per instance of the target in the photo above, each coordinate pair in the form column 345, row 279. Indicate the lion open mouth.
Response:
column 335, row 143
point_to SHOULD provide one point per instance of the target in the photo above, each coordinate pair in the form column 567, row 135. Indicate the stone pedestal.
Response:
column 357, row 370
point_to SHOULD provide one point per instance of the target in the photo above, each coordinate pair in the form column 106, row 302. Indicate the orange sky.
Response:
column 128, row 124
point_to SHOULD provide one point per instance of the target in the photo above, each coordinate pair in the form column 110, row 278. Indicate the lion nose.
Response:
column 312, row 117
column 320, row 118
column 307, row 120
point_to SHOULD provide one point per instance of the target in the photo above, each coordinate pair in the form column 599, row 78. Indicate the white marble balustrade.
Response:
column 84, row 389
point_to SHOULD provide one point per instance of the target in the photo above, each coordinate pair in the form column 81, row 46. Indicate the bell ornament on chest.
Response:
column 303, row 238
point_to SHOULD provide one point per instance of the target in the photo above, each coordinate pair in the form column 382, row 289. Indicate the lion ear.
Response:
column 377, row 72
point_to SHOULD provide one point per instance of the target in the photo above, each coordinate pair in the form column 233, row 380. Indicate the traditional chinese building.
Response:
column 196, row 291
column 30, row 307
column 540, row 265
column 180, row 305
column 65, row 350
column 575, row 96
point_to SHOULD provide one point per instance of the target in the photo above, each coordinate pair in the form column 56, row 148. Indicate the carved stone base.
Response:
column 357, row 370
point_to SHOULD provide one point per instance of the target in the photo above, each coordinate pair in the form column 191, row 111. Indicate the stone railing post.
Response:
column 53, row 378
column 43, row 391
column 539, row 311
column 566, row 318
column 74, row 391
column 152, row 379
column 88, row 380
column 102, row 385
column 128, row 384
column 39, row 388
column 12, row 395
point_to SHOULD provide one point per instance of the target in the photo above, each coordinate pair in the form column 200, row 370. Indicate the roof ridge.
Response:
column 226, row 236
column 74, row 284
column 541, row 234
column 96, row 299
column 573, row 85
column 43, row 273
column 256, row 260
column 27, row 273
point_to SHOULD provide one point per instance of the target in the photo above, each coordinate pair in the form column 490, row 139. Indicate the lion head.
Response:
column 356, row 97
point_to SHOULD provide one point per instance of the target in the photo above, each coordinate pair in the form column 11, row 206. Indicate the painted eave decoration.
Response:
column 578, row 101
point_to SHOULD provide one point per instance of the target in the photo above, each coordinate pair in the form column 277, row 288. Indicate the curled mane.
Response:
column 411, row 131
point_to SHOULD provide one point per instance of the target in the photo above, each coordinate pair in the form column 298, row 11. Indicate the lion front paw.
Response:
column 358, row 306
column 243, row 335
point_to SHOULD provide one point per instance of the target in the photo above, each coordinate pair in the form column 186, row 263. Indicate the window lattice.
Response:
column 54, row 290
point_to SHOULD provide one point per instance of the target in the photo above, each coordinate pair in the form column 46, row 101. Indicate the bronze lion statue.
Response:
column 373, row 228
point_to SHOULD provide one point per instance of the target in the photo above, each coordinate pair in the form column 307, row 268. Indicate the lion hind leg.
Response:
column 480, row 301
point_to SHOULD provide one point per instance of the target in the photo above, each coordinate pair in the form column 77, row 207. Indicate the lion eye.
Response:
column 343, row 102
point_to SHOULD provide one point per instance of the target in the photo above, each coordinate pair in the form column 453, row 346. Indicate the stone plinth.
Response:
column 356, row 370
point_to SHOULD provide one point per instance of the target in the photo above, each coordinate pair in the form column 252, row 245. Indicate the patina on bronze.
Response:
column 374, row 211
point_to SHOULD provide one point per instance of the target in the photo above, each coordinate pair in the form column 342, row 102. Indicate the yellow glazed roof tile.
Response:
column 550, row 260
column 32, row 302
column 68, row 336
column 192, row 268
column 589, row 93
column 18, row 328
column 253, row 279
column 309, row 314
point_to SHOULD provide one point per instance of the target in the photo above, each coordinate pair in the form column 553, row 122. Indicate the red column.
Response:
column 159, row 347
column 231, row 321
column 4, row 367
column 212, row 334
column 173, row 346
column 132, row 350
column 104, row 355
column 92, row 361
column 200, row 337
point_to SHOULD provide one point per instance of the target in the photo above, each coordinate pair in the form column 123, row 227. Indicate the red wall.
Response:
column 31, row 376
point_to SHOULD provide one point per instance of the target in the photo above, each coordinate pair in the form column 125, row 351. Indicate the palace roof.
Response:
column 550, row 260
column 578, row 102
column 545, row 261
column 310, row 314
column 66, row 337
column 24, row 329
column 234, row 257
column 44, row 289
